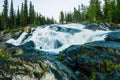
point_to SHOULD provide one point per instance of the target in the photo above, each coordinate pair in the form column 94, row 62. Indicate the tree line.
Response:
column 10, row 19
column 109, row 12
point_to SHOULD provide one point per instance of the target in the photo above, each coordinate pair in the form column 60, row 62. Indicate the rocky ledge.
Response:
column 18, row 63
column 98, row 60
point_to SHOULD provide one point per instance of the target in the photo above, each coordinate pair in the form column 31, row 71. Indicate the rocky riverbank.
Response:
column 99, row 60
column 18, row 63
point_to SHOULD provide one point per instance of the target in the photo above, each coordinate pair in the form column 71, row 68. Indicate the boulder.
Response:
column 113, row 36
column 112, row 26
column 27, row 29
column 118, row 25
column 102, row 26
column 93, row 26
column 97, row 26
column 16, row 34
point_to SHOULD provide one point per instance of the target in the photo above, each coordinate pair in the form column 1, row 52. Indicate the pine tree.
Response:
column 105, row 9
column 25, row 13
column 0, row 22
column 92, row 11
column 83, row 12
column 31, row 13
column 36, row 19
column 12, row 21
column 108, row 10
column 65, row 17
column 69, row 17
column 18, row 17
column 118, row 11
column 22, row 15
column 53, row 21
column 61, row 17
column 5, row 14
column 76, row 15
column 99, row 15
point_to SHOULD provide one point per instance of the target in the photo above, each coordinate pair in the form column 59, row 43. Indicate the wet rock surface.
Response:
column 99, row 60
column 6, row 36
column 112, row 26
column 20, row 63
column 103, row 26
column 62, row 29
column 113, row 36
column 95, row 26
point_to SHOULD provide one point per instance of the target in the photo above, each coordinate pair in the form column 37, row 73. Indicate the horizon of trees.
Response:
column 9, row 19
column 109, row 12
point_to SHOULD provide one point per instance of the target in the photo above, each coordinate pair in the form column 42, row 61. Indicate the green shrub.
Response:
column 5, row 55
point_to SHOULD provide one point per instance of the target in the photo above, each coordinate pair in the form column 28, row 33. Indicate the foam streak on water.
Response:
column 55, row 38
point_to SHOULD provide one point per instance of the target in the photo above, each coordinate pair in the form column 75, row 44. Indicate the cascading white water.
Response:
column 18, row 41
column 56, row 38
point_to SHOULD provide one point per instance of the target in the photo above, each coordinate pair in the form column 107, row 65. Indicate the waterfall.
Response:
column 18, row 41
column 56, row 37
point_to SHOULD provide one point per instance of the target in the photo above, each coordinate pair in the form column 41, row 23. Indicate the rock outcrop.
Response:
column 26, row 63
column 113, row 36
column 99, row 60
column 103, row 26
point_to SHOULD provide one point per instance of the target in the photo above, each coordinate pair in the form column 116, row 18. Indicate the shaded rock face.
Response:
column 94, row 60
column 26, row 63
column 112, row 26
column 27, row 47
column 6, row 36
column 102, row 26
column 97, row 26
column 16, row 35
column 63, row 29
column 113, row 36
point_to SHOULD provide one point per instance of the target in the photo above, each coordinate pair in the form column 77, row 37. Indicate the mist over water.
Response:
column 56, row 37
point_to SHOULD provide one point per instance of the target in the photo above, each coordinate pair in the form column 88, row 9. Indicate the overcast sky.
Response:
column 50, row 8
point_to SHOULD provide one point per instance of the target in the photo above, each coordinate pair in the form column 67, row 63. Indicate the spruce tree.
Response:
column 5, row 14
column 61, row 17
column 69, row 17
column 99, row 15
column 92, row 11
column 25, row 13
column 22, row 20
column 83, row 12
column 76, row 15
column 108, row 10
column 12, row 21
column 0, row 22
column 118, row 11
column 18, row 17
column 31, row 13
